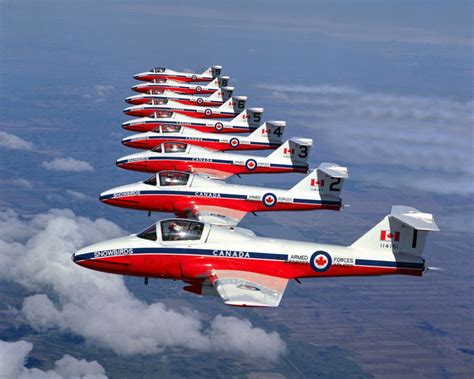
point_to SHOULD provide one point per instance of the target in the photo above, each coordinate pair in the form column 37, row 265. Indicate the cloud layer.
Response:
column 13, row 356
column 36, row 253
column 67, row 164
column 423, row 143
column 12, row 142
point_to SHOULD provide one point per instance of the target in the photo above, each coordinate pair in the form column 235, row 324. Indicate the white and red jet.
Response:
column 230, row 109
column 180, row 87
column 292, row 156
column 246, row 270
column 215, row 100
column 190, row 195
column 160, row 73
column 247, row 121
column 267, row 136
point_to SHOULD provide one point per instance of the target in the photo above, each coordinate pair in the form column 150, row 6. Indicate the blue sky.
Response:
column 383, row 88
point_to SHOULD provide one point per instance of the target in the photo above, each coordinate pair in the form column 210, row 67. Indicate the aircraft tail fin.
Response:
column 271, row 131
column 234, row 104
column 295, row 151
column 326, row 180
column 250, row 117
column 404, row 230
column 223, row 93
column 213, row 71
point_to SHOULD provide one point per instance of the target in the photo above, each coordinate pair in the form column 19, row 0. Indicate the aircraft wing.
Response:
column 213, row 174
column 248, row 289
column 211, row 214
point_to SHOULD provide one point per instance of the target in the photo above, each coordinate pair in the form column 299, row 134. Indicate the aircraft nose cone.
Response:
column 137, row 76
column 127, row 111
column 126, row 124
column 137, row 87
column 80, row 256
column 106, row 195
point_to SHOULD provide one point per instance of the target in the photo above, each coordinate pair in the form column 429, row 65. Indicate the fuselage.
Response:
column 183, row 99
column 215, row 164
column 148, row 124
column 178, row 87
column 150, row 140
column 145, row 110
column 193, row 261
column 197, row 191
column 150, row 76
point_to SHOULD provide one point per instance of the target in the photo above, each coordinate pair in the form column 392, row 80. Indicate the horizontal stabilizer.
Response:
column 414, row 218
column 333, row 170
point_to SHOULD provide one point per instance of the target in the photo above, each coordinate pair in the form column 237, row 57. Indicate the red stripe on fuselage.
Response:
column 164, row 87
column 187, row 79
column 150, row 144
column 148, row 127
column 197, row 166
column 191, row 113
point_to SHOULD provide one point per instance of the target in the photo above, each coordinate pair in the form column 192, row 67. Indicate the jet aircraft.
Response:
column 292, row 156
column 215, row 100
column 160, row 73
column 190, row 195
column 267, row 136
column 246, row 270
column 247, row 121
column 230, row 109
column 180, row 87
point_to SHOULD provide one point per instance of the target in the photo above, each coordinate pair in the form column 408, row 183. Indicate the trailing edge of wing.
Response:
column 248, row 289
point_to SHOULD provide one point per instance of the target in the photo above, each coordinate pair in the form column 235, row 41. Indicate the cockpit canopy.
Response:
column 174, row 230
column 168, row 129
column 175, row 147
column 168, row 178
column 181, row 230
column 157, row 101
column 161, row 114
column 173, row 178
column 158, row 69
column 171, row 147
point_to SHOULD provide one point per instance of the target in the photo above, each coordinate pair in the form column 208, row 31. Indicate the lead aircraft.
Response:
column 230, row 109
column 180, row 87
column 160, row 73
column 190, row 195
column 247, row 121
column 246, row 270
column 267, row 136
column 215, row 100
column 292, row 156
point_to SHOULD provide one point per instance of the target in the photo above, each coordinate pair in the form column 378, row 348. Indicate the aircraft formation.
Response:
column 189, row 126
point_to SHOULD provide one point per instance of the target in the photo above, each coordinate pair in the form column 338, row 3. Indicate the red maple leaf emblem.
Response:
column 321, row 261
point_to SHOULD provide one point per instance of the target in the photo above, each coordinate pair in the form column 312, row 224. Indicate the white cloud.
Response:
column 13, row 356
column 100, row 92
column 36, row 253
column 67, row 164
column 415, row 142
column 20, row 182
column 12, row 142
column 79, row 196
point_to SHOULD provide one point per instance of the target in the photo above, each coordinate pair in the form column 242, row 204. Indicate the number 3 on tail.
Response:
column 303, row 151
